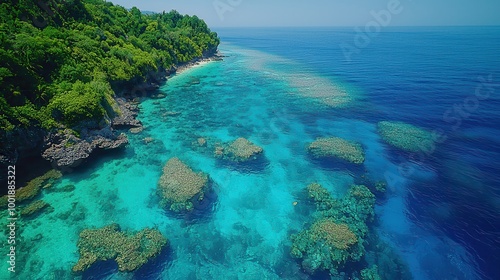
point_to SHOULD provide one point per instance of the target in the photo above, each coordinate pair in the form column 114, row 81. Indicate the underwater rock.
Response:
column 219, row 151
column 338, row 148
column 381, row 186
column 148, row 140
column 180, row 186
column 33, row 208
column 33, row 187
column 108, row 243
column 406, row 137
column 240, row 150
column 136, row 130
column 202, row 142
column 171, row 114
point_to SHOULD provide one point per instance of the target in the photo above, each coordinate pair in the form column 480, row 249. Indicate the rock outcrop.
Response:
column 65, row 150
column 127, row 116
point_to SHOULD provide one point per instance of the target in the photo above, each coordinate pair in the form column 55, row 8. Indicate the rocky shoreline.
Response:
column 64, row 150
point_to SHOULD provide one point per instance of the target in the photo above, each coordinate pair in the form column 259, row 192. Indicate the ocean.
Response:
column 282, row 88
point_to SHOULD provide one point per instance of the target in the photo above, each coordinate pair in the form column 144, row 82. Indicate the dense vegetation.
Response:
column 60, row 60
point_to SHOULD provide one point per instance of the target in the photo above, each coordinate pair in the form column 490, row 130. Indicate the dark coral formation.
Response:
column 180, row 186
column 108, row 243
column 33, row 208
column 240, row 150
column 338, row 234
column 337, row 148
column 33, row 187
column 370, row 273
column 321, row 196
column 405, row 136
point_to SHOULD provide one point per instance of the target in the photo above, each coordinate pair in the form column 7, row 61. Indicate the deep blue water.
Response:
column 282, row 89
column 425, row 76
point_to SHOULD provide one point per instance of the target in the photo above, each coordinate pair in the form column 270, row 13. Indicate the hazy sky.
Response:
column 227, row 13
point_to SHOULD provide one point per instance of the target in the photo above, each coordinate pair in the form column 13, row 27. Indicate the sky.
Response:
column 253, row 13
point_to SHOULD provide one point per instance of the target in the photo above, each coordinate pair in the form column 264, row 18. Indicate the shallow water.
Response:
column 440, row 219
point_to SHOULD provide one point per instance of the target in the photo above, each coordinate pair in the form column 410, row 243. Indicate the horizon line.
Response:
column 344, row 26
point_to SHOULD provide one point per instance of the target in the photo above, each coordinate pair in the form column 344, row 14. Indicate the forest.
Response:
column 60, row 61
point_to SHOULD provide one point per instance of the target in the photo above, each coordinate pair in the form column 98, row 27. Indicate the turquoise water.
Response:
column 281, row 104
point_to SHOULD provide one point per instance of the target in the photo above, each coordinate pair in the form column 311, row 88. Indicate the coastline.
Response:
column 66, row 152
column 200, row 62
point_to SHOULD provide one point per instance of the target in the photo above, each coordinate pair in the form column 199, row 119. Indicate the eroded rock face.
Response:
column 338, row 148
column 127, row 116
column 180, row 186
column 65, row 150
column 109, row 243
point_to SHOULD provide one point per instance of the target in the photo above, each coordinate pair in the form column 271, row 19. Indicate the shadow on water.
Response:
column 202, row 209
column 152, row 270
column 97, row 159
column 257, row 165
column 101, row 270
column 335, row 164
column 26, row 170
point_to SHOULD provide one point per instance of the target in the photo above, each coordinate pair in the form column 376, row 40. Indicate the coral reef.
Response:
column 338, row 148
column 337, row 236
column 108, row 243
column 33, row 208
column 355, row 209
column 370, row 273
column 33, row 187
column 405, row 136
column 179, row 186
column 320, row 196
column 326, row 245
column 240, row 150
